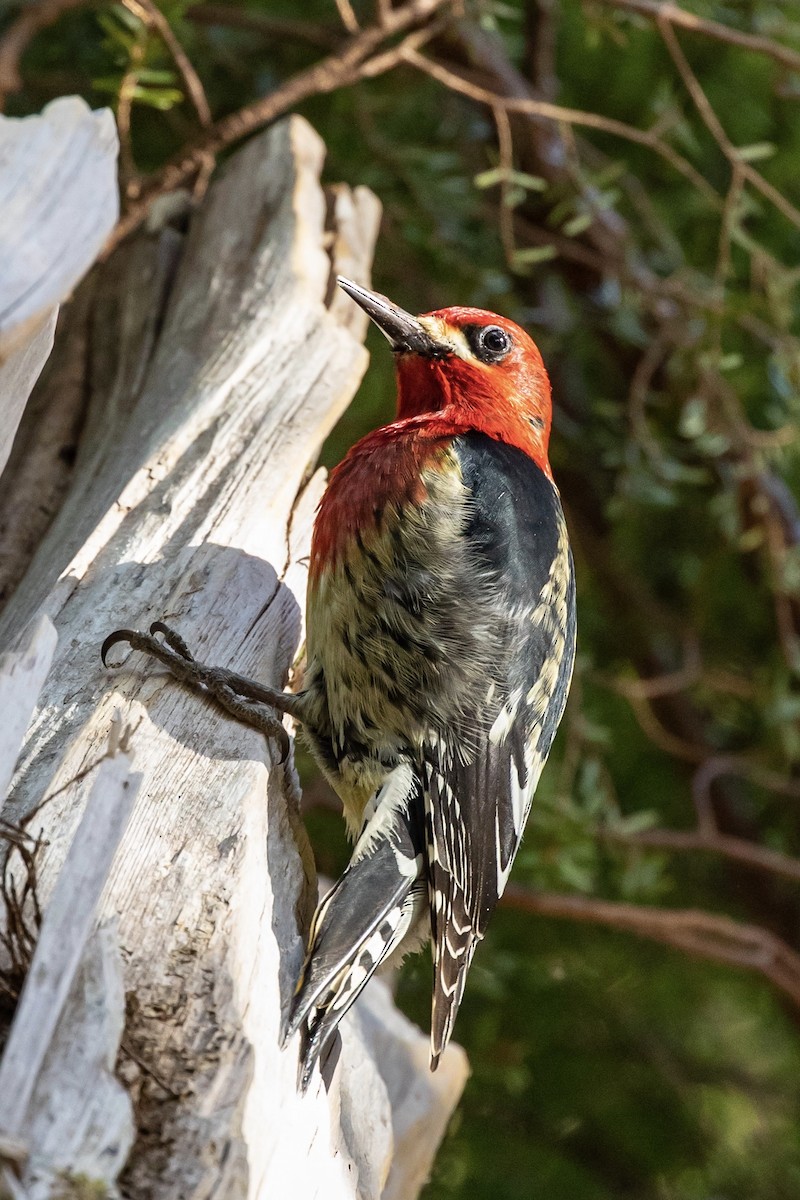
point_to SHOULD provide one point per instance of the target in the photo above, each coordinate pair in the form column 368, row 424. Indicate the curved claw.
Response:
column 113, row 639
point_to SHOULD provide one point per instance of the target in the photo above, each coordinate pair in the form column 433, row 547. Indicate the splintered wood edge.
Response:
column 64, row 933
column 71, row 152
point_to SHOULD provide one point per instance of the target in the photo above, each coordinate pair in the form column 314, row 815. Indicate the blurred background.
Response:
column 621, row 178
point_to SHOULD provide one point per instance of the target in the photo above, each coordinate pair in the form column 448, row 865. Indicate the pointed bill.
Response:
column 405, row 333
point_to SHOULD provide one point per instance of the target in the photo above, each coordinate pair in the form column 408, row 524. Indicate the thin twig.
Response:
column 149, row 14
column 340, row 69
column 20, row 33
column 714, row 126
column 265, row 24
column 655, row 353
column 739, row 849
column 126, row 1048
column 570, row 116
column 505, row 147
column 130, row 179
column 671, row 681
column 726, row 228
column 665, row 11
column 658, row 734
column 701, row 934
column 347, row 16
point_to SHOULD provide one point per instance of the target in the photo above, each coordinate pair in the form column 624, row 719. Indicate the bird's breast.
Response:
column 401, row 631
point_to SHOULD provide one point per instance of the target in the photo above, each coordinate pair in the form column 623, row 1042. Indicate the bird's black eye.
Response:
column 489, row 343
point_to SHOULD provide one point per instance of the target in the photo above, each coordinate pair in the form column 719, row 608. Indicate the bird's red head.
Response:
column 473, row 369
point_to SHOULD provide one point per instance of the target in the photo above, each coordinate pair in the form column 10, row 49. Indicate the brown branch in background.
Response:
column 506, row 157
column 726, row 232
column 652, row 359
column 718, row 766
column 701, row 934
column 347, row 16
column 20, row 33
column 380, row 64
column 664, row 11
column 671, row 681
column 659, row 735
column 265, row 24
column 739, row 849
column 340, row 69
column 714, row 126
column 569, row 116
column 384, row 9
column 150, row 15
column 130, row 180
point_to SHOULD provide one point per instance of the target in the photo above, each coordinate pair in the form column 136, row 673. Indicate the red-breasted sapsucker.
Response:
column 440, row 645
column 441, row 640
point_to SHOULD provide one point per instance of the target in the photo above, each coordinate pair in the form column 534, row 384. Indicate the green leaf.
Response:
column 162, row 99
column 499, row 175
column 577, row 225
column 533, row 254
column 757, row 152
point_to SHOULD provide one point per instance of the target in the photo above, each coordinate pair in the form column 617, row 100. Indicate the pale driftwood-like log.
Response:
column 63, row 936
column 23, row 671
column 222, row 365
column 60, row 1104
column 58, row 204
column 81, row 1124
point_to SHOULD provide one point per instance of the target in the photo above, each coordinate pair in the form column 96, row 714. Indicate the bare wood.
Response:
column 223, row 365
column 81, row 1127
column 63, row 936
column 22, row 674
column 46, row 247
column 38, row 472
column 419, row 1113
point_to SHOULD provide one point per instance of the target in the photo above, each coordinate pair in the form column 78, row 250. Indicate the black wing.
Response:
column 477, row 801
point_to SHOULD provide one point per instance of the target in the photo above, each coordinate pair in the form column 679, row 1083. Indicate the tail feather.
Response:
column 452, row 958
column 363, row 918
column 455, row 931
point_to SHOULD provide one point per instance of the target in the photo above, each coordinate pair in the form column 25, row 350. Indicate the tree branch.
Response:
column 739, row 849
column 149, row 14
column 569, row 116
column 700, row 934
column 722, row 33
column 713, row 124
column 265, row 24
column 20, row 33
column 339, row 69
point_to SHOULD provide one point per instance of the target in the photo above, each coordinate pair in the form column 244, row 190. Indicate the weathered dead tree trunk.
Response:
column 198, row 373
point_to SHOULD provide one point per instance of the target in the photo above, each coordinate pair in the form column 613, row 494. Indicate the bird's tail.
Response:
column 452, row 958
column 365, row 915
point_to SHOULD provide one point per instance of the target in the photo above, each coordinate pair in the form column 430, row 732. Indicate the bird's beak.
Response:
column 405, row 333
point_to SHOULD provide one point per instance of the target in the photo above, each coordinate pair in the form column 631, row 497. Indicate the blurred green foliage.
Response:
column 603, row 1066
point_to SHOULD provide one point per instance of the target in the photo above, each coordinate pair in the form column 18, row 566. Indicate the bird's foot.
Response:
column 249, row 701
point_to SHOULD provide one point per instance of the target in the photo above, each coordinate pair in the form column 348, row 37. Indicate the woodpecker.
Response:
column 441, row 640
column 440, row 646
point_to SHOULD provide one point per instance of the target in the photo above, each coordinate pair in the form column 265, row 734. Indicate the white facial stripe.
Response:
column 449, row 336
